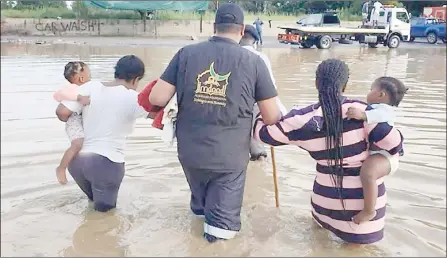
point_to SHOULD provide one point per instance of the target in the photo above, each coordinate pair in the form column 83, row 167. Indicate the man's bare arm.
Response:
column 63, row 113
column 161, row 93
column 269, row 111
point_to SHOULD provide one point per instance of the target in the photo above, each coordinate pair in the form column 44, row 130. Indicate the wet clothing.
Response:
column 99, row 178
column 217, row 83
column 305, row 128
column 99, row 167
column 218, row 195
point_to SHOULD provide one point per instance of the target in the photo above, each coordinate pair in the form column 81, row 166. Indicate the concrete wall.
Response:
column 54, row 27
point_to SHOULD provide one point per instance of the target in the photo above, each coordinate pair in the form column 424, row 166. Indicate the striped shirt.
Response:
column 304, row 128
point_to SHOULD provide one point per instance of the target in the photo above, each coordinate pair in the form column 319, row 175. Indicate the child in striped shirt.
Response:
column 386, row 93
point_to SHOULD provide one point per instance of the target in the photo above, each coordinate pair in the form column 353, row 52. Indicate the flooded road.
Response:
column 39, row 217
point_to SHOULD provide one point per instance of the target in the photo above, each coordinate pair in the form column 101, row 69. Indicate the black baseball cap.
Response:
column 229, row 13
column 250, row 29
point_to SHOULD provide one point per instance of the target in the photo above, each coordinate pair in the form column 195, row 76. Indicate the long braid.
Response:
column 331, row 77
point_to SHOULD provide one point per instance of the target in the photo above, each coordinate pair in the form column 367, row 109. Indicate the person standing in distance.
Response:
column 365, row 12
column 217, row 84
column 378, row 6
column 258, row 23
column 257, row 149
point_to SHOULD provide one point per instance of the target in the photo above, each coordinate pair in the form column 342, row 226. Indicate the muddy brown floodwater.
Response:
column 39, row 217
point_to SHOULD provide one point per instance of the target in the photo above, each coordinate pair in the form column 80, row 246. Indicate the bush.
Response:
column 349, row 15
column 49, row 12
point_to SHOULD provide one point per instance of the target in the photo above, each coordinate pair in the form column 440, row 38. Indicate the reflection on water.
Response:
column 42, row 218
column 99, row 236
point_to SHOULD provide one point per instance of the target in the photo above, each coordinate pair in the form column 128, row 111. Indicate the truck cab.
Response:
column 396, row 20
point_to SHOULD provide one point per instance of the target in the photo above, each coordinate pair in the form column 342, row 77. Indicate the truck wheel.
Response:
column 373, row 45
column 432, row 38
column 324, row 42
column 412, row 39
column 393, row 41
column 443, row 40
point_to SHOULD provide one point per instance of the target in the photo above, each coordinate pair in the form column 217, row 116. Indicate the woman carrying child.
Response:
column 110, row 117
column 339, row 146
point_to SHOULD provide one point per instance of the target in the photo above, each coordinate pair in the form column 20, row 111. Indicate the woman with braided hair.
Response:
column 339, row 146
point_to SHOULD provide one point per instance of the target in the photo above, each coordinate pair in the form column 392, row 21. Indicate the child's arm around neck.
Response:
column 375, row 113
column 70, row 92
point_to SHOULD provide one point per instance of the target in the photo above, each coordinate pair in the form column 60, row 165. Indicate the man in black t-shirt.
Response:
column 217, row 83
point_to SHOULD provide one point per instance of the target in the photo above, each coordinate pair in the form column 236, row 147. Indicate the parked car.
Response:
column 325, row 19
column 430, row 28
column 328, row 18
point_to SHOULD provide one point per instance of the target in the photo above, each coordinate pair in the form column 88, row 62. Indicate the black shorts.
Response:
column 99, row 178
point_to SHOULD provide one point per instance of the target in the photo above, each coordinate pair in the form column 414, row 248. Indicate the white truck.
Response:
column 393, row 26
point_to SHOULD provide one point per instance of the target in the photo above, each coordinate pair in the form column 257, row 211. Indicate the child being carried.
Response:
column 77, row 73
column 386, row 93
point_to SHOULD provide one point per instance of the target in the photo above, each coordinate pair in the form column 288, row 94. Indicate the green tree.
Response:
column 80, row 9
column 56, row 4
column 32, row 4
column 289, row 7
column 416, row 8
column 27, row 4
column 6, row 4
column 316, row 6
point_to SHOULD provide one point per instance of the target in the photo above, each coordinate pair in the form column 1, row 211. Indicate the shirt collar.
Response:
column 222, row 39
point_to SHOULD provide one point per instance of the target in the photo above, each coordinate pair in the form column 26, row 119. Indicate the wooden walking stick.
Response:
column 275, row 181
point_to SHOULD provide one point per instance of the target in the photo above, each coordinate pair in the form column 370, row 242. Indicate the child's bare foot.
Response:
column 364, row 216
column 61, row 176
